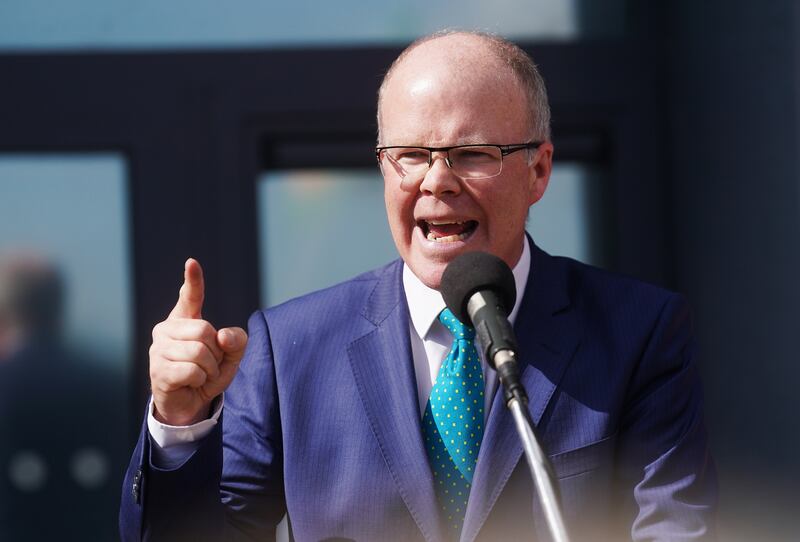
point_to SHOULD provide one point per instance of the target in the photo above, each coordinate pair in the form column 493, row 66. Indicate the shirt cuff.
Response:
column 171, row 444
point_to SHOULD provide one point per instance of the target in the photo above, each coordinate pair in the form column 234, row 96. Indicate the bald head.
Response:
column 481, row 61
column 458, row 90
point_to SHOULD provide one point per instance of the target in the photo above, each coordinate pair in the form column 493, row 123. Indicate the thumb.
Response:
column 232, row 341
column 190, row 297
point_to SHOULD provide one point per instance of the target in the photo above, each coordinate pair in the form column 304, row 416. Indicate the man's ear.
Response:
column 539, row 171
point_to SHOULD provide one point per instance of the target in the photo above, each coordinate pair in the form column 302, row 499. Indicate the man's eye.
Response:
column 412, row 156
column 474, row 155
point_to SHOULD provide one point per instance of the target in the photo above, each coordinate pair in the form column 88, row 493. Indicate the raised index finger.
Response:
column 190, row 298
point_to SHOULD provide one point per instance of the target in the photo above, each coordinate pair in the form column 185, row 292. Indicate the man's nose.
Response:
column 440, row 179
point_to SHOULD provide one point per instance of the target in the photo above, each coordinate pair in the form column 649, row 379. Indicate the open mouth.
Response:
column 441, row 231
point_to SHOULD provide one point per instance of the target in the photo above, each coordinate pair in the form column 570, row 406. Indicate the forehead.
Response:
column 453, row 90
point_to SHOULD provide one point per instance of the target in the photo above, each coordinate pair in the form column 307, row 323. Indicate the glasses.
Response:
column 465, row 161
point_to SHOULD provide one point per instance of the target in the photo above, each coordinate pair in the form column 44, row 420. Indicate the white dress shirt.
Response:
column 431, row 340
column 430, row 344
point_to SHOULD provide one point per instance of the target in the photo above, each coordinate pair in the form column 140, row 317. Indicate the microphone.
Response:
column 479, row 289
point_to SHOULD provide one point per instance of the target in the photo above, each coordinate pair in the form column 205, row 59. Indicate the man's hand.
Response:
column 190, row 361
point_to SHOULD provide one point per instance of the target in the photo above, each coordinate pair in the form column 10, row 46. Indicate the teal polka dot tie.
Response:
column 453, row 422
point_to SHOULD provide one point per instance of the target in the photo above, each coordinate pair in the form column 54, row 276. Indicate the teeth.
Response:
column 441, row 223
column 447, row 239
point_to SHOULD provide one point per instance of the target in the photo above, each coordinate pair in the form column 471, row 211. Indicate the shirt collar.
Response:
column 425, row 304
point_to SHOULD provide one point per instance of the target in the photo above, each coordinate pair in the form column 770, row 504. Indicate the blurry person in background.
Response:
column 58, row 458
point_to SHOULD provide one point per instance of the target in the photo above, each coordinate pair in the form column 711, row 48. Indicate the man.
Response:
column 330, row 418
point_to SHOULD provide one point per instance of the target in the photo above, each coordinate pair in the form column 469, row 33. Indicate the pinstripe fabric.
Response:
column 323, row 421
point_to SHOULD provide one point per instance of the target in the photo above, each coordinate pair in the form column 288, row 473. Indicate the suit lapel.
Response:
column 548, row 333
column 381, row 361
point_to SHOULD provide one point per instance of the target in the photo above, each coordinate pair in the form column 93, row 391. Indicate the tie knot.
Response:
column 459, row 330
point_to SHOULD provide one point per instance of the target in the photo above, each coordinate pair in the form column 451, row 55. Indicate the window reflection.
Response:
column 25, row 25
column 318, row 227
column 573, row 217
column 64, row 345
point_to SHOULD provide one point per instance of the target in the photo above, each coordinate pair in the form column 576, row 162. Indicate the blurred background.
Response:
column 136, row 134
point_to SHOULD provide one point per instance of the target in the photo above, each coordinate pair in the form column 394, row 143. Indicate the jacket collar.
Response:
column 382, row 365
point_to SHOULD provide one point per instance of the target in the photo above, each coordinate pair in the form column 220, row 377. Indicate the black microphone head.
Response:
column 472, row 272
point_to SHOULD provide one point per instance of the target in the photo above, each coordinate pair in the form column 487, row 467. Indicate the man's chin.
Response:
column 428, row 259
column 429, row 273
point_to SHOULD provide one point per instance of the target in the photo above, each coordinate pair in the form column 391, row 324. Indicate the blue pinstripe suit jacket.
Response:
column 323, row 421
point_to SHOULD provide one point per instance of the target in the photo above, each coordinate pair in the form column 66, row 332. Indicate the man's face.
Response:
column 433, row 101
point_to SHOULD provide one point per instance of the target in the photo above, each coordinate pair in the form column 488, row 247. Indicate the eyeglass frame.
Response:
column 505, row 150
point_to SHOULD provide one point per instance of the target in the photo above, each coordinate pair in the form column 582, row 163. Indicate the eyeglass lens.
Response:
column 467, row 162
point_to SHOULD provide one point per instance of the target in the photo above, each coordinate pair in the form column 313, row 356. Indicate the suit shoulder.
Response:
column 341, row 299
column 593, row 285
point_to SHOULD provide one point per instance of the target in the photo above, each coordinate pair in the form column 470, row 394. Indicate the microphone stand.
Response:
column 477, row 287
column 539, row 464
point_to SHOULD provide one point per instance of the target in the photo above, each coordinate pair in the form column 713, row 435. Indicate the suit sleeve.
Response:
column 231, row 487
column 664, row 445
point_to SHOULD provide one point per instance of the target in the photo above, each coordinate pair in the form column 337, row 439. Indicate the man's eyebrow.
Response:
column 475, row 139
column 464, row 140
column 469, row 140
